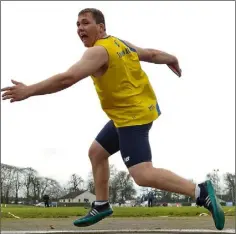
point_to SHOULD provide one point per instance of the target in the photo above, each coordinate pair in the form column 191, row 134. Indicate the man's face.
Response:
column 87, row 29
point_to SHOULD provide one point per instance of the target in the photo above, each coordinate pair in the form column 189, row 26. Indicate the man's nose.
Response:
column 80, row 28
column 79, row 31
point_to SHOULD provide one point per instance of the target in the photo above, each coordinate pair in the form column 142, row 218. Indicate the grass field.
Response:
column 65, row 212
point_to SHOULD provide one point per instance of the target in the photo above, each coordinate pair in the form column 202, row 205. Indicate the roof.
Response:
column 220, row 200
column 73, row 194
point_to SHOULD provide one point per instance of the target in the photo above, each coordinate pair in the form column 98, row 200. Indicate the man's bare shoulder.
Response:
column 95, row 52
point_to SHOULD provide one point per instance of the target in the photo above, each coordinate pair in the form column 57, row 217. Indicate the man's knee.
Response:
column 141, row 173
column 92, row 151
column 97, row 153
column 141, row 180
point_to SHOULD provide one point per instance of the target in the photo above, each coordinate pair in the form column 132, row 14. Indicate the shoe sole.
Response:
column 93, row 219
column 218, row 213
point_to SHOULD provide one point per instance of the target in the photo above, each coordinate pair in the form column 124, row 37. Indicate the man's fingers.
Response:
column 176, row 70
column 15, row 82
column 13, row 100
column 7, row 97
column 11, row 87
column 7, row 88
column 7, row 93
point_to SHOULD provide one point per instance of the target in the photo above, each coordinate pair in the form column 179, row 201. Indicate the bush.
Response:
column 223, row 203
column 186, row 204
column 73, row 204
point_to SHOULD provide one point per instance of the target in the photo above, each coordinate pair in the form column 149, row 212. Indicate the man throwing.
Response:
column 129, row 101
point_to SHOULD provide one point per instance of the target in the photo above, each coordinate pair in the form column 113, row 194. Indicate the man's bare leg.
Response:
column 100, row 166
column 146, row 175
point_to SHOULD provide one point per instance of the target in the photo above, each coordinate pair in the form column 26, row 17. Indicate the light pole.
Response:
column 233, row 194
column 217, row 180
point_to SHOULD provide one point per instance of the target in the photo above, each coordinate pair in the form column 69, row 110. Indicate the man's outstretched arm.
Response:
column 93, row 59
column 156, row 56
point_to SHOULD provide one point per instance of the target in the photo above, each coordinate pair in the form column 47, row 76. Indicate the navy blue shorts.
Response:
column 132, row 141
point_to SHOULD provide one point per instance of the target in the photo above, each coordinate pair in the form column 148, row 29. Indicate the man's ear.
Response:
column 102, row 27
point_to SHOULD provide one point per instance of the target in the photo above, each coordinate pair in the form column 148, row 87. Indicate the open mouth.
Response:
column 84, row 37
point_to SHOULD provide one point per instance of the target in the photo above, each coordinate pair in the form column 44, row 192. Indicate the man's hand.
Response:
column 175, row 68
column 15, row 93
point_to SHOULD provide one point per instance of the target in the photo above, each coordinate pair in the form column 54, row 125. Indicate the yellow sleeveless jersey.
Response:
column 124, row 90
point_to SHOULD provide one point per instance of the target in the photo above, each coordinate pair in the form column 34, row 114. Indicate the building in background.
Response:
column 78, row 197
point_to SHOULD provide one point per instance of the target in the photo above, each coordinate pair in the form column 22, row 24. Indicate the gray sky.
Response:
column 52, row 134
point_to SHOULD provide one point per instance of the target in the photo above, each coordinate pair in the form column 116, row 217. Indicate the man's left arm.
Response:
column 157, row 57
column 93, row 59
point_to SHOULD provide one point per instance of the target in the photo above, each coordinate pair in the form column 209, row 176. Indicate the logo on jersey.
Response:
column 124, row 52
column 152, row 107
column 117, row 43
column 126, row 159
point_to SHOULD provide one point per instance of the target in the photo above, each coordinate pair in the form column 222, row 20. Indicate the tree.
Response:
column 29, row 174
column 75, row 183
column 7, row 186
column 17, row 182
column 54, row 189
column 157, row 194
column 166, row 196
column 144, row 194
column 113, row 171
column 176, row 197
column 113, row 190
column 44, row 183
column 35, row 188
column 229, row 180
column 125, row 185
column 215, row 179
column 113, row 184
column 90, row 183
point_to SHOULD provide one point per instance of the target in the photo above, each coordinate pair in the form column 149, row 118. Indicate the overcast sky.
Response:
column 196, row 131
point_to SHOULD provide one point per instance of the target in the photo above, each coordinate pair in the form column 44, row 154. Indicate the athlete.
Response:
column 127, row 97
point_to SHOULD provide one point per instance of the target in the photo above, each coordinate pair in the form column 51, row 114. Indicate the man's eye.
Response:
column 83, row 23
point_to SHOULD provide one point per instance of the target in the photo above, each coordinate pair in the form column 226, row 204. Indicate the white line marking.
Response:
column 170, row 231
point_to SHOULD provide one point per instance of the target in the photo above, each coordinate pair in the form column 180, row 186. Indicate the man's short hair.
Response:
column 97, row 15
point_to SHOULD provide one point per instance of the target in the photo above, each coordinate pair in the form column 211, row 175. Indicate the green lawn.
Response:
column 65, row 212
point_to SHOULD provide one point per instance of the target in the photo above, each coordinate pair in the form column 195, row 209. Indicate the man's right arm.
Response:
column 156, row 56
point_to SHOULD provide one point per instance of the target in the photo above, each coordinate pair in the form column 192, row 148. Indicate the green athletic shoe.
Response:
column 209, row 200
column 96, row 214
